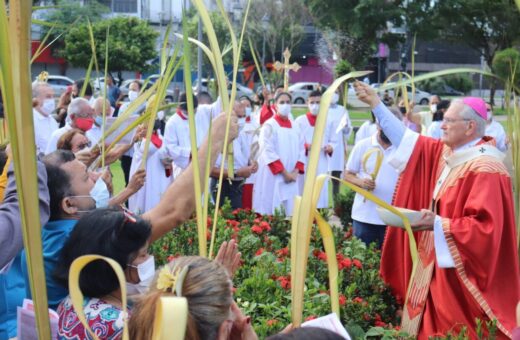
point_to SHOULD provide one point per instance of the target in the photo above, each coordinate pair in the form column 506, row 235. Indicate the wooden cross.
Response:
column 286, row 67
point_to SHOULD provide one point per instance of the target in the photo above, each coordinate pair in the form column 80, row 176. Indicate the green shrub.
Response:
column 343, row 206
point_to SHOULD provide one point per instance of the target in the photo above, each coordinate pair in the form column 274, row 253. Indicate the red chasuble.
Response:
column 476, row 206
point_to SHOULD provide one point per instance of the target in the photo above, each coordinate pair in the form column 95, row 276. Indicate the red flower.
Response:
column 320, row 255
column 285, row 282
column 357, row 263
column 283, row 252
column 358, row 300
column 345, row 263
column 259, row 252
column 348, row 234
column 208, row 235
column 380, row 323
column 272, row 322
column 256, row 229
column 257, row 221
column 236, row 211
column 209, row 221
column 265, row 226
column 171, row 258
column 165, row 247
column 339, row 257
column 312, row 317
column 342, row 300
column 190, row 241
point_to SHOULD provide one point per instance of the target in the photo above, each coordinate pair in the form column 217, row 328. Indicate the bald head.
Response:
column 98, row 107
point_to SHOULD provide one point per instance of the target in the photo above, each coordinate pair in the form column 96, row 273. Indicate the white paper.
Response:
column 26, row 322
column 127, row 139
column 330, row 322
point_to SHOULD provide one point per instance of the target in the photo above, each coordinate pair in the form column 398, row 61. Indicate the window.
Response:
column 121, row 6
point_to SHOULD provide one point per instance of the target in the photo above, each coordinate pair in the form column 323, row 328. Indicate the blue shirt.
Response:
column 54, row 236
column 12, row 293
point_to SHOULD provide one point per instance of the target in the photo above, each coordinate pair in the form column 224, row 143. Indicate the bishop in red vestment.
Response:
column 468, row 262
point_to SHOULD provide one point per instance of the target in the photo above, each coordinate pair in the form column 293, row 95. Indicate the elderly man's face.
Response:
column 456, row 130
column 45, row 92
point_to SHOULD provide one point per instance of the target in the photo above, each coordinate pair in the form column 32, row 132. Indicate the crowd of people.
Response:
column 394, row 156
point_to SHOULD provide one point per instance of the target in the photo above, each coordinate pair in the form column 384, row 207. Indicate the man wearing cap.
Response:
column 467, row 265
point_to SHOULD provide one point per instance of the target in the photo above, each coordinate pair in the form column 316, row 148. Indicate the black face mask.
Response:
column 402, row 109
column 384, row 138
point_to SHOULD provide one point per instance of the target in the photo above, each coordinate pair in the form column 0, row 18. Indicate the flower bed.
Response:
column 263, row 282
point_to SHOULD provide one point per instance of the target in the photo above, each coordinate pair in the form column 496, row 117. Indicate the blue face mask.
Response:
column 99, row 194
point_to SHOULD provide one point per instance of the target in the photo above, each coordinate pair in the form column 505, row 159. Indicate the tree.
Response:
column 355, row 26
column 131, row 44
column 283, row 21
column 505, row 62
column 486, row 26
column 70, row 12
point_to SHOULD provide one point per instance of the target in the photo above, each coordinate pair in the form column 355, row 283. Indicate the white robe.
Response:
column 52, row 145
column 342, row 127
column 252, row 132
column 329, row 138
column 177, row 134
column 156, row 181
column 366, row 130
column 270, row 191
column 496, row 130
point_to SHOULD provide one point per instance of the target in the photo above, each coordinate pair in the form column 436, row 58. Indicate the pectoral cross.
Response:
column 286, row 67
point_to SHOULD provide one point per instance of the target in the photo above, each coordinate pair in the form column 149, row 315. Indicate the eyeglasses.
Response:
column 453, row 120
column 84, row 145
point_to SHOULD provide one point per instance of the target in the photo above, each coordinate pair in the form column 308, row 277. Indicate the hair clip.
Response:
column 172, row 280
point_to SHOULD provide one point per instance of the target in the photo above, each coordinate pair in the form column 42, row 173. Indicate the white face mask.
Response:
column 314, row 109
column 335, row 98
column 248, row 111
column 146, row 272
column 132, row 95
column 48, row 106
column 100, row 194
column 433, row 108
column 241, row 123
column 284, row 109
column 160, row 115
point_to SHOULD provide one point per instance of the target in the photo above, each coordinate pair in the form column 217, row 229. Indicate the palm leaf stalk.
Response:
column 15, row 81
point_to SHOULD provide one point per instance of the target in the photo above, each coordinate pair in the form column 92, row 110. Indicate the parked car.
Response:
column 241, row 89
column 59, row 83
column 420, row 97
column 99, row 83
column 300, row 91
column 126, row 84
column 446, row 90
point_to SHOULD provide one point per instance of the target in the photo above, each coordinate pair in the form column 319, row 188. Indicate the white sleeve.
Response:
column 354, row 160
column 180, row 155
column 267, row 144
column 402, row 154
column 442, row 251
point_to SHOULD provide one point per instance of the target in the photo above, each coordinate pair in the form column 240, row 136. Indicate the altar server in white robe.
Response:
column 305, row 124
column 339, row 119
column 252, row 132
column 281, row 161
column 177, row 131
column 158, row 176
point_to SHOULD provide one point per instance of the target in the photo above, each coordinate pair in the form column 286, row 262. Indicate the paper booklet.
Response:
column 330, row 322
column 127, row 139
column 26, row 319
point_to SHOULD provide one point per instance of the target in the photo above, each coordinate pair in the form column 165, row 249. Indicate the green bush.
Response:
column 343, row 67
column 343, row 206
column 460, row 82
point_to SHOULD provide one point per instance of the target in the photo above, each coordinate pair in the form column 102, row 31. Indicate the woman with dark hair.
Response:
column 280, row 161
column 115, row 234
column 73, row 140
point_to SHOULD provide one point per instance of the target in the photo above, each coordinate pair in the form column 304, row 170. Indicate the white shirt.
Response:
column 341, row 127
column 94, row 134
column 365, row 210
column 434, row 130
column 366, row 130
column 44, row 127
column 241, row 152
column 55, row 137
column 496, row 130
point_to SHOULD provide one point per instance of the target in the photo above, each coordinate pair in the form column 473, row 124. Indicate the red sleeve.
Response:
column 301, row 167
column 276, row 167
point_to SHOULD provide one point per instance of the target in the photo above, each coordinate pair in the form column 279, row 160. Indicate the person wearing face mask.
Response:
column 435, row 130
column 115, row 234
column 79, row 116
column 232, row 188
column 496, row 130
column 251, row 131
column 280, row 162
column 341, row 126
column 73, row 192
column 367, row 225
column 306, row 124
column 44, row 123
column 425, row 118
